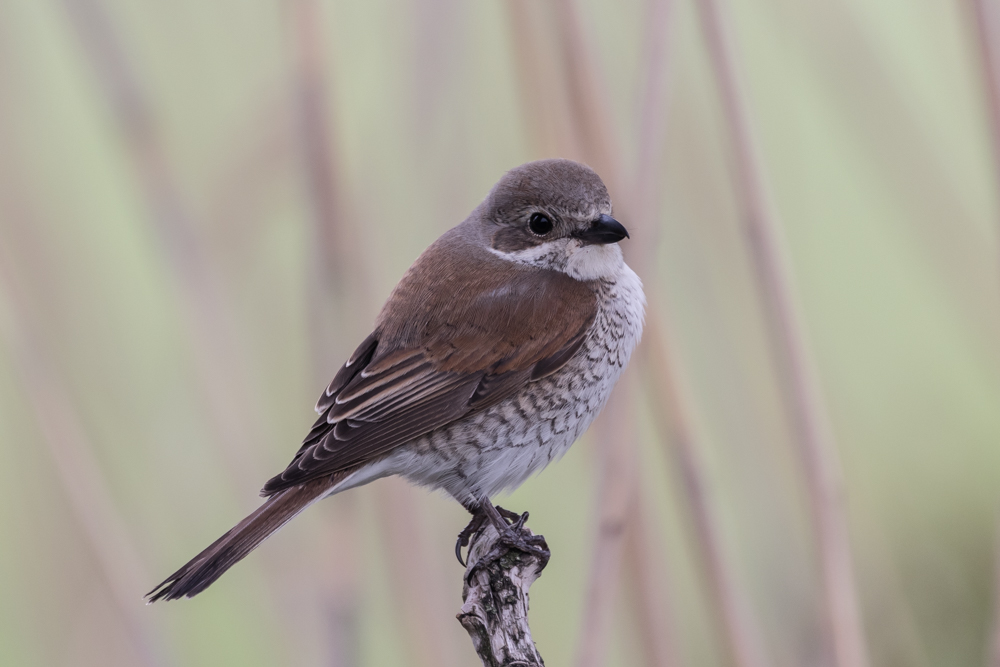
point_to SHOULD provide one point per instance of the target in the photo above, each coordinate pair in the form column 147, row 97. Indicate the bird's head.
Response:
column 554, row 214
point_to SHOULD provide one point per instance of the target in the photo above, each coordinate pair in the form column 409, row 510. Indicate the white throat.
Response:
column 577, row 260
column 595, row 262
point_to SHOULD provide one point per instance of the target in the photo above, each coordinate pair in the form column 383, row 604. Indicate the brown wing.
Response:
column 462, row 330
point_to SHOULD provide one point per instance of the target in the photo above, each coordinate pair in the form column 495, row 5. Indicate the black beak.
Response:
column 603, row 230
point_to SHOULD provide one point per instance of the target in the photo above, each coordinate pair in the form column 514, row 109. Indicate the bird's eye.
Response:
column 539, row 224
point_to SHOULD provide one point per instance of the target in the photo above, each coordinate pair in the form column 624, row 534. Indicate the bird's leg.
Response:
column 515, row 519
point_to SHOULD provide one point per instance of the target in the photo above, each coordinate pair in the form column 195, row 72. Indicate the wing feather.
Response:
column 462, row 331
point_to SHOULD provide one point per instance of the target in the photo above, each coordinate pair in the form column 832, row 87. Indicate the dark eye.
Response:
column 540, row 224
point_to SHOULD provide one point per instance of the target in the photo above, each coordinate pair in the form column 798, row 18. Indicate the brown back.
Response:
column 462, row 330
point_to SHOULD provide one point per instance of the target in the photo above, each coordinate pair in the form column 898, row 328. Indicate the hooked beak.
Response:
column 603, row 230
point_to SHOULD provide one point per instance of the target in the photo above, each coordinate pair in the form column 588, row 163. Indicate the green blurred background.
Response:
column 203, row 204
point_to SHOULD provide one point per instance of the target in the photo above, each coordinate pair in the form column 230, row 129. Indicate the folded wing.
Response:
column 462, row 331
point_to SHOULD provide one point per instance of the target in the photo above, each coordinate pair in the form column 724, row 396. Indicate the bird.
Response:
column 492, row 355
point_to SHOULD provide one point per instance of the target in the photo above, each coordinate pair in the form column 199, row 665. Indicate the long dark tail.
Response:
column 232, row 547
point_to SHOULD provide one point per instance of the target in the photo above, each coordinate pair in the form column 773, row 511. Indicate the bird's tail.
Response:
column 229, row 549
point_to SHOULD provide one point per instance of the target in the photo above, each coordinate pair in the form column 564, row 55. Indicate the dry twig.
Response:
column 495, row 613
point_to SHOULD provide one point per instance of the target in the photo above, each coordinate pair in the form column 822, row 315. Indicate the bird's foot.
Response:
column 513, row 517
column 516, row 536
column 511, row 536
column 511, row 531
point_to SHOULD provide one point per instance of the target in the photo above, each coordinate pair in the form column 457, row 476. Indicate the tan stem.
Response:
column 806, row 407
column 79, row 473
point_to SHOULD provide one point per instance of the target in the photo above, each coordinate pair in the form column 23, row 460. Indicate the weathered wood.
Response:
column 495, row 593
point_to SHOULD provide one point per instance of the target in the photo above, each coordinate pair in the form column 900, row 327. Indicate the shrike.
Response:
column 491, row 356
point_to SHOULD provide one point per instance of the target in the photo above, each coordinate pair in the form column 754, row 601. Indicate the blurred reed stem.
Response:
column 591, row 120
column 671, row 414
column 421, row 595
column 796, row 367
column 79, row 473
column 652, row 104
column 744, row 644
column 645, row 556
column 217, row 342
column 619, row 493
column 589, row 113
column 261, row 153
column 993, row 650
column 900, row 150
column 987, row 25
column 340, row 283
column 215, row 337
column 744, row 647
column 335, row 277
column 648, row 570
column 988, row 33
column 545, row 111
column 328, row 268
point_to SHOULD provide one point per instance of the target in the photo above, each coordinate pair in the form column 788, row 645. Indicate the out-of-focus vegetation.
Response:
column 203, row 204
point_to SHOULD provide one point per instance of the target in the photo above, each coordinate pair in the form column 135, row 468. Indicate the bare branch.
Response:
column 495, row 593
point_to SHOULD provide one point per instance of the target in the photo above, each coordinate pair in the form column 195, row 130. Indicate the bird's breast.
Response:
column 499, row 448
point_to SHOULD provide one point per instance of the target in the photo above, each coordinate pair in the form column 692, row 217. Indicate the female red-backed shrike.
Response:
column 492, row 355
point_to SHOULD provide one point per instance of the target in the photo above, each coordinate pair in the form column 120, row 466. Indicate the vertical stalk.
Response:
column 217, row 342
column 813, row 432
column 79, row 473
column 994, row 647
column 591, row 121
column 545, row 110
column 339, row 281
column 744, row 645
column 647, row 571
column 644, row 554
column 988, row 32
column 215, row 338
column 416, row 579
column 617, row 495
column 619, row 491
column 328, row 283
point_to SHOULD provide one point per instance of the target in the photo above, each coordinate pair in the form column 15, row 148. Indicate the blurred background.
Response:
column 204, row 204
